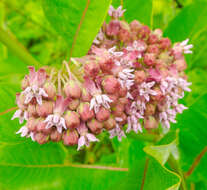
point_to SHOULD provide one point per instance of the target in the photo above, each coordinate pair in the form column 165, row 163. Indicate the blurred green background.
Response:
column 28, row 165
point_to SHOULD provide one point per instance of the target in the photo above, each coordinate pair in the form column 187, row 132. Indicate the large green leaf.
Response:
column 193, row 135
column 77, row 21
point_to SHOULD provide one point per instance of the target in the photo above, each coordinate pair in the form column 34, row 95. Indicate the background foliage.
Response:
column 51, row 31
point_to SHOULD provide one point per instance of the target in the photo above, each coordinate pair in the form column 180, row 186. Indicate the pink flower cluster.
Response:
column 132, row 77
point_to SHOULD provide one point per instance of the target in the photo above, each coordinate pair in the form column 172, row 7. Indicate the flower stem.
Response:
column 18, row 49
column 174, row 164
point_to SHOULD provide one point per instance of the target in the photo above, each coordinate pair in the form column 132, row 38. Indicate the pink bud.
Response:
column 114, row 98
column 50, row 89
column 55, row 136
column 124, row 119
column 106, row 65
column 144, row 32
column 158, row 32
column 124, row 35
column 72, row 89
column 41, row 127
column 32, row 124
column 150, row 123
column 124, row 100
column 25, row 82
column 113, row 28
column 110, row 123
column 166, row 57
column 159, row 95
column 103, row 114
column 118, row 109
column 110, row 84
column 140, row 76
column 91, row 69
column 45, row 109
column 70, row 137
column 73, row 104
column 149, row 59
column 165, row 43
column 152, row 39
column 85, row 97
column 85, row 112
column 122, row 91
column 153, row 49
column 180, row 64
column 72, row 119
column 32, row 110
column 135, row 26
column 150, row 109
column 95, row 126
column 41, row 138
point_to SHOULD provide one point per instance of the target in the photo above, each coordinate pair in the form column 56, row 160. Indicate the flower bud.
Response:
column 103, row 114
column 73, row 104
column 135, row 25
column 123, row 100
column 118, row 109
column 144, row 32
column 45, row 109
column 158, row 32
column 32, row 124
column 41, row 127
column 124, row 35
column 159, row 96
column 150, row 108
column 91, row 69
column 70, row 137
column 180, row 64
column 139, row 76
column 153, row 49
column 24, row 83
column 110, row 123
column 124, row 119
column 85, row 96
column 165, row 57
column 110, row 84
column 114, row 98
column 32, row 110
column 113, row 28
column 106, row 65
column 72, row 89
column 72, row 119
column 149, row 59
column 85, row 112
column 150, row 123
column 50, row 89
column 95, row 126
column 55, row 136
column 41, row 138
column 152, row 39
column 165, row 43
column 123, row 92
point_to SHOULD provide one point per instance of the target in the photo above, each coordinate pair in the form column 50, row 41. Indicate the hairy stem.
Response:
column 174, row 164
column 18, row 49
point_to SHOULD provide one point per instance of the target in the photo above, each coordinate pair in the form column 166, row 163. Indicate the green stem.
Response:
column 18, row 49
column 174, row 164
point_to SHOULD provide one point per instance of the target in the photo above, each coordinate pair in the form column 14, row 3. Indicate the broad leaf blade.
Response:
column 78, row 22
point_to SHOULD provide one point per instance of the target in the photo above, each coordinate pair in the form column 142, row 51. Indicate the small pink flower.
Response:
column 183, row 47
column 56, row 118
column 117, row 131
column 145, row 90
column 85, row 137
column 116, row 13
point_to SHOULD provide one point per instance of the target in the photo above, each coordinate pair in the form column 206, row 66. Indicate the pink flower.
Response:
column 85, row 137
column 35, row 90
column 21, row 113
column 117, row 131
column 56, row 118
column 98, row 98
column 183, row 47
column 145, row 90
column 24, row 131
column 116, row 13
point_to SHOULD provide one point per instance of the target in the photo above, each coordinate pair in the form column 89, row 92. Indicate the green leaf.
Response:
column 193, row 135
column 78, row 22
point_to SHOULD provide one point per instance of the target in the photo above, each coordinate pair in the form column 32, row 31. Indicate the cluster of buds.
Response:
column 132, row 79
